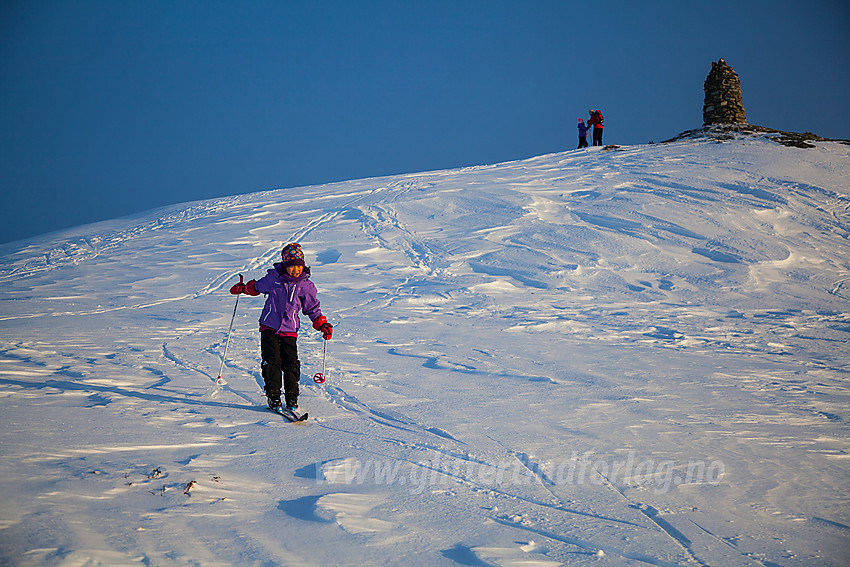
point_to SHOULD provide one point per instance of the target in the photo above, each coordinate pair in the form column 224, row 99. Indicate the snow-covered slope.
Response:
column 624, row 357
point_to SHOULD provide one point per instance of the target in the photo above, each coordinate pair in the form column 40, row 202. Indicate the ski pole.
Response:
column 319, row 377
column 227, row 343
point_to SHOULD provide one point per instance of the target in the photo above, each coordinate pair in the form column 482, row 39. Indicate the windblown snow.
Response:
column 626, row 357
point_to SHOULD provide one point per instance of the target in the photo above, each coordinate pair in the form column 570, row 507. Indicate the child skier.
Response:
column 582, row 134
column 288, row 289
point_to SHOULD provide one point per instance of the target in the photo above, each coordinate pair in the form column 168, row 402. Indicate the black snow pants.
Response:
column 280, row 364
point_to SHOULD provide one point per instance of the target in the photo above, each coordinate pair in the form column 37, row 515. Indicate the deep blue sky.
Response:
column 113, row 107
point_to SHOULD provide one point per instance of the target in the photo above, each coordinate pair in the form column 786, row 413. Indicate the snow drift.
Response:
column 635, row 356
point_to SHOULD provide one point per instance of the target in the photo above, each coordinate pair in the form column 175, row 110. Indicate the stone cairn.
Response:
column 723, row 102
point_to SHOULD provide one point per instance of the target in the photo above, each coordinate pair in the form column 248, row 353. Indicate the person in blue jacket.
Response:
column 582, row 134
column 288, row 290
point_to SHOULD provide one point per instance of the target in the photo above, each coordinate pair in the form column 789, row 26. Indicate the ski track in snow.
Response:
column 632, row 357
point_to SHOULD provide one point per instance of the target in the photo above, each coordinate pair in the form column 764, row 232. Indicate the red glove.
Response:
column 246, row 288
column 321, row 324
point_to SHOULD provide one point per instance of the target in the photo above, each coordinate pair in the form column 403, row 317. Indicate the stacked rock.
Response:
column 723, row 102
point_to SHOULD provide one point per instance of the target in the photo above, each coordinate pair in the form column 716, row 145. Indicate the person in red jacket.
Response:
column 596, row 121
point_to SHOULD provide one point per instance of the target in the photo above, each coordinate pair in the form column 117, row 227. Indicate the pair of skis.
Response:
column 289, row 414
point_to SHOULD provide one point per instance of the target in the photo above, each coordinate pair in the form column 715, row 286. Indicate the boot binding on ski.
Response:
column 273, row 400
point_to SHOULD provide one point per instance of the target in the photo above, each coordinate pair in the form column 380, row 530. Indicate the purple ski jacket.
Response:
column 582, row 130
column 285, row 297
